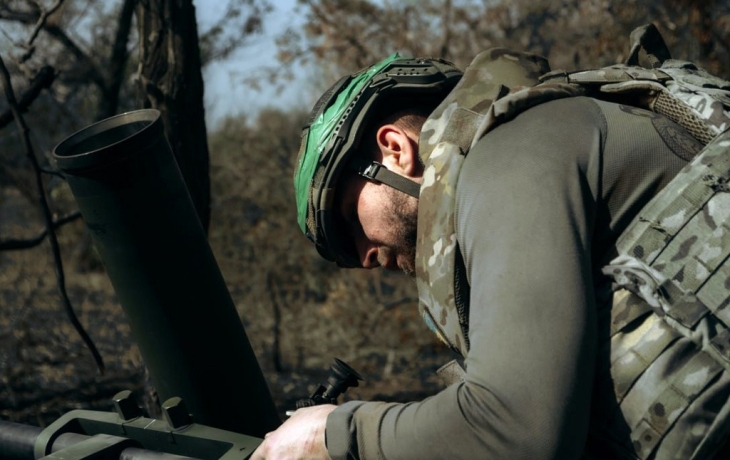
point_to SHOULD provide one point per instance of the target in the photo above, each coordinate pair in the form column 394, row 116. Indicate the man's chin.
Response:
column 408, row 267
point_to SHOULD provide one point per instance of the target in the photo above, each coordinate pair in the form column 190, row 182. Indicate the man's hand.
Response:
column 300, row 437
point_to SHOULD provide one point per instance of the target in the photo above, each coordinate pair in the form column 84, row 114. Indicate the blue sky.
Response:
column 225, row 91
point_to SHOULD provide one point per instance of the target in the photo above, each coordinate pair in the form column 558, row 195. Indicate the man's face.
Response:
column 382, row 222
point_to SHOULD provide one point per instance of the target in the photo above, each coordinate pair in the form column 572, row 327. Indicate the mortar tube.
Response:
column 131, row 194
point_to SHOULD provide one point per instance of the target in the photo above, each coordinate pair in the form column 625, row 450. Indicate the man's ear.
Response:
column 400, row 151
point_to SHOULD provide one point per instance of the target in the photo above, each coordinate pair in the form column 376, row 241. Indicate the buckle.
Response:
column 371, row 171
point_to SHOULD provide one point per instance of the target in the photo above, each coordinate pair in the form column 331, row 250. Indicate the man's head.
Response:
column 380, row 219
column 358, row 171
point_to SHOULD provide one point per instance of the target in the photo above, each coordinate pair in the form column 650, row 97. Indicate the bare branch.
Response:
column 14, row 245
column 42, row 80
column 446, row 29
column 275, row 295
column 95, row 75
column 55, row 249
column 109, row 101
column 353, row 40
column 42, row 21
column 52, row 172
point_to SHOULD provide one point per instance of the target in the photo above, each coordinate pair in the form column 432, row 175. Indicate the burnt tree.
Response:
column 171, row 78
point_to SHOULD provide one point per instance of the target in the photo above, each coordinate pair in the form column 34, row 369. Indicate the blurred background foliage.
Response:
column 299, row 311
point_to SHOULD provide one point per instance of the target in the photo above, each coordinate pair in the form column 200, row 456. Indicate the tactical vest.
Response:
column 671, row 280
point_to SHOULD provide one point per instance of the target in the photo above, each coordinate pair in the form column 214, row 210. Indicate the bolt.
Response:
column 126, row 406
column 176, row 414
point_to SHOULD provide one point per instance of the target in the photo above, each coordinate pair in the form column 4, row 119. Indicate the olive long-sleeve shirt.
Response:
column 540, row 203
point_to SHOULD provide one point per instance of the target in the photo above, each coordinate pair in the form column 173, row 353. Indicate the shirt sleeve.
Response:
column 525, row 211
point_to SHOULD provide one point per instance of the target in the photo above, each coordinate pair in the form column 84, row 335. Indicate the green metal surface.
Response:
column 133, row 199
column 108, row 431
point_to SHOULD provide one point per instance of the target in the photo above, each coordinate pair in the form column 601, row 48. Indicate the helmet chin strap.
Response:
column 376, row 172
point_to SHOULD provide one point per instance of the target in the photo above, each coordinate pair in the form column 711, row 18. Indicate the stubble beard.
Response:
column 403, row 212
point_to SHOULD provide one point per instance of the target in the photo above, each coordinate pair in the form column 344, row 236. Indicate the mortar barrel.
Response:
column 131, row 194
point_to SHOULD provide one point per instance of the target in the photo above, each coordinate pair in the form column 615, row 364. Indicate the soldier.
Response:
column 506, row 204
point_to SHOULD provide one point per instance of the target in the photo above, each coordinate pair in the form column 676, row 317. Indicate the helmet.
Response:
column 331, row 138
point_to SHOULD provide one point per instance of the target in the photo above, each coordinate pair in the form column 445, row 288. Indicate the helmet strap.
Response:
column 376, row 172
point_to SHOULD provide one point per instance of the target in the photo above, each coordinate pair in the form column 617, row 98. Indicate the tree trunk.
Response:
column 172, row 82
column 109, row 100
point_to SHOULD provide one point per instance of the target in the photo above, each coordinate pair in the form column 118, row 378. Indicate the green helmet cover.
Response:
column 320, row 133
column 331, row 139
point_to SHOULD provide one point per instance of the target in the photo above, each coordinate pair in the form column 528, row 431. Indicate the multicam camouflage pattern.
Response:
column 678, row 90
column 707, row 95
column 670, row 338
column 670, row 342
column 673, row 263
column 445, row 138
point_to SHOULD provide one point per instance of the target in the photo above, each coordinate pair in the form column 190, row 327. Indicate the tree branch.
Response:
column 59, row 35
column 55, row 249
column 42, row 80
column 109, row 102
column 42, row 17
column 446, row 29
column 350, row 38
column 274, row 294
column 14, row 245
